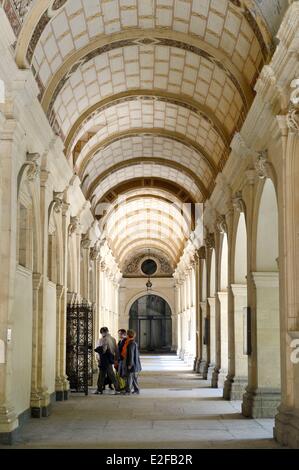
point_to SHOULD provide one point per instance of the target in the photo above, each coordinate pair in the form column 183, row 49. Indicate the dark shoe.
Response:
column 136, row 392
column 98, row 392
column 111, row 387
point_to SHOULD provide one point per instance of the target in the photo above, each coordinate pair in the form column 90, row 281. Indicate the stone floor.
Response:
column 174, row 410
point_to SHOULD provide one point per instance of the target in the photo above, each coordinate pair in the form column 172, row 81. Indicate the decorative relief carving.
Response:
column 74, row 225
column 33, row 168
column 261, row 164
column 16, row 11
column 293, row 113
column 58, row 202
column 133, row 267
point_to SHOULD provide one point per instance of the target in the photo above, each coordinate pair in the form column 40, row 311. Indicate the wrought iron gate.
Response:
column 79, row 347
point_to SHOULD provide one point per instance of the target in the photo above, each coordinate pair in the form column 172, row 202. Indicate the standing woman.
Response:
column 131, row 362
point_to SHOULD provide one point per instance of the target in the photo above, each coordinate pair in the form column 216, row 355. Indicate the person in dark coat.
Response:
column 119, row 366
column 132, row 364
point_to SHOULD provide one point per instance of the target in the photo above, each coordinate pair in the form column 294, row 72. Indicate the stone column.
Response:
column 41, row 294
column 239, row 374
column 176, row 341
column 35, row 399
column 197, row 312
column 63, row 304
column 286, row 429
column 85, row 247
column 10, row 138
column 59, row 380
column 212, row 337
column 204, row 356
column 223, row 297
column 263, row 393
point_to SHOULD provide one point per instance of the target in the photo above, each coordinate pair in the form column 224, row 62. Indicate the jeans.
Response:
column 132, row 381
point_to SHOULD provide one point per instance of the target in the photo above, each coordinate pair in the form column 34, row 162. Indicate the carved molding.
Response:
column 133, row 266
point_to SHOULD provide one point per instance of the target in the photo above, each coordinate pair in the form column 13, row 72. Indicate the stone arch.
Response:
column 151, row 318
column 223, row 278
column 240, row 251
column 145, row 292
column 213, row 273
column 264, row 361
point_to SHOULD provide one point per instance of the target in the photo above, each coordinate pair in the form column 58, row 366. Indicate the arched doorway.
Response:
column 150, row 317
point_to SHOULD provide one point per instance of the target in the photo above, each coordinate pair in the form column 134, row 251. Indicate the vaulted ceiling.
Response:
column 146, row 96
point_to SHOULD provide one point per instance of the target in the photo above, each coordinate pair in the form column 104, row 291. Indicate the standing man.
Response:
column 132, row 362
column 107, row 353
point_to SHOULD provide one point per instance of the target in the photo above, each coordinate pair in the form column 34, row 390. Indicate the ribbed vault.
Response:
column 146, row 96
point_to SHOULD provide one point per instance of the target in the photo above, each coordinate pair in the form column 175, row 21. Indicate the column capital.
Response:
column 74, row 225
column 85, row 242
column 210, row 241
column 292, row 118
column 237, row 202
column 57, row 202
column 261, row 164
column 221, row 224
column 33, row 168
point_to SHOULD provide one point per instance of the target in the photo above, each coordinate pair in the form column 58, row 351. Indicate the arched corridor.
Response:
column 149, row 181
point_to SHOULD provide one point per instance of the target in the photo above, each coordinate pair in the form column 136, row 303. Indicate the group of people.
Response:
column 125, row 358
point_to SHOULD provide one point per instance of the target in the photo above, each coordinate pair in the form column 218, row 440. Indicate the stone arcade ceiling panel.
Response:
column 146, row 95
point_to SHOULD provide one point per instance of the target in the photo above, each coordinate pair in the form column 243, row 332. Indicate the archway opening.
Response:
column 266, row 279
column 150, row 317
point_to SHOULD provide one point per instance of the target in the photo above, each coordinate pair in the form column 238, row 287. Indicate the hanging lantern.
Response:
column 149, row 285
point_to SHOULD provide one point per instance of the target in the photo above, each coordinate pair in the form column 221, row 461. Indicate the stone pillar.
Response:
column 286, row 429
column 35, row 399
column 197, row 312
column 64, row 382
column 85, row 248
column 59, row 380
column 204, row 356
column 223, row 296
column 212, row 337
column 11, row 136
column 238, row 376
column 263, row 393
column 40, row 295
column 176, row 340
